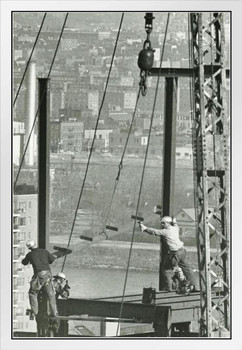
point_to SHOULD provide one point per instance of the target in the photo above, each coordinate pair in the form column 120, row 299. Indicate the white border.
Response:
column 6, row 8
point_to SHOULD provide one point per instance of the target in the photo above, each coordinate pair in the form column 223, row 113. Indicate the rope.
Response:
column 28, row 62
column 35, row 118
column 94, row 137
column 142, row 176
column 120, row 166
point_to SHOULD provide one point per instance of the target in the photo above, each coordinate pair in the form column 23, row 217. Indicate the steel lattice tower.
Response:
column 211, row 146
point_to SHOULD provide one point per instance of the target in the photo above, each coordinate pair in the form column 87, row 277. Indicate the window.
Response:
column 15, row 298
column 21, row 251
column 30, row 204
column 15, row 239
column 29, row 220
column 178, row 153
column 22, row 236
column 15, row 254
column 15, row 268
column 100, row 137
column 15, row 283
column 16, row 221
column 20, row 325
column 20, row 281
column 120, row 139
column 19, row 311
column 22, row 221
column 21, row 297
column 22, row 206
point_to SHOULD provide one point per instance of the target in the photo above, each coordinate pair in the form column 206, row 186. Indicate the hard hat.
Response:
column 60, row 275
column 166, row 219
column 30, row 244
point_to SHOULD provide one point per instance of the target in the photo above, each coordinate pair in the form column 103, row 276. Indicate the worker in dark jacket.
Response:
column 40, row 259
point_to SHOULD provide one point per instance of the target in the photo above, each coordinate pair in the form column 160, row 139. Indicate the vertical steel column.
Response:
column 43, row 166
column 212, row 159
column 169, row 152
column 102, row 328
column 30, row 110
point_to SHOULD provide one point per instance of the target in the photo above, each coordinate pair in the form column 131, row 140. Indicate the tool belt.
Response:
column 174, row 252
column 42, row 274
column 40, row 279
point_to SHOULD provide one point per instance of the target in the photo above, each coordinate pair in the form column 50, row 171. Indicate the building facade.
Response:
column 18, row 141
column 186, row 220
column 71, row 136
column 24, row 228
column 101, row 134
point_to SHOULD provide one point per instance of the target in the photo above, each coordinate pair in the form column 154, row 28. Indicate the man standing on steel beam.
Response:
column 40, row 259
column 176, row 257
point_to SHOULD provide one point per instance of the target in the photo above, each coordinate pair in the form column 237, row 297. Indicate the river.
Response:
column 99, row 283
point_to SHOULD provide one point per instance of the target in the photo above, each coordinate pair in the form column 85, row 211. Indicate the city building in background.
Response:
column 24, row 228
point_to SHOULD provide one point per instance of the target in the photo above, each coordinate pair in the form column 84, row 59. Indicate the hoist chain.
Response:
column 142, row 83
column 146, row 56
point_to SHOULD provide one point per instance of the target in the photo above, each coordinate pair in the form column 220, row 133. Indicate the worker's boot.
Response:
column 55, row 323
column 186, row 287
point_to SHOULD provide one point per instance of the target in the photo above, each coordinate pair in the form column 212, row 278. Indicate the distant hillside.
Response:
column 78, row 20
column 87, row 20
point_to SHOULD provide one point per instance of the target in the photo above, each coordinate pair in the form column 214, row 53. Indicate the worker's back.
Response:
column 172, row 238
column 39, row 258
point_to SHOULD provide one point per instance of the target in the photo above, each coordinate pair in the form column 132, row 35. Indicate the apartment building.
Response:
column 71, row 136
column 24, row 228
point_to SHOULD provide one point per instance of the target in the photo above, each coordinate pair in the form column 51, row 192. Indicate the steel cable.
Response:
column 28, row 62
column 142, row 176
column 36, row 115
column 120, row 167
column 94, row 137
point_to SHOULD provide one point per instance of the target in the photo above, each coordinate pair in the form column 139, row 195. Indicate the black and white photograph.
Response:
column 120, row 175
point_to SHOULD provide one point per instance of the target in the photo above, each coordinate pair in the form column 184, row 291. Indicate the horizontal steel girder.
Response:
column 184, row 72
column 143, row 313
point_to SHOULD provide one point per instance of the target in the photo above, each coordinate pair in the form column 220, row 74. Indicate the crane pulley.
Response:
column 146, row 55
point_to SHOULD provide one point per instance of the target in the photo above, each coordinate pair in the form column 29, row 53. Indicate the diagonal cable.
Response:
column 36, row 115
column 120, row 166
column 94, row 137
column 27, row 65
column 142, row 176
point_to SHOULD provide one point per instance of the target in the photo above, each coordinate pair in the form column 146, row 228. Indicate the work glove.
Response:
column 142, row 226
column 174, row 221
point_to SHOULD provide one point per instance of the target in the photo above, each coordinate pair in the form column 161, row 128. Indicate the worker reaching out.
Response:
column 176, row 255
column 40, row 259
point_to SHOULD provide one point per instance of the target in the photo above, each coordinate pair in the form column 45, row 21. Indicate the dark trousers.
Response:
column 172, row 260
column 40, row 280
